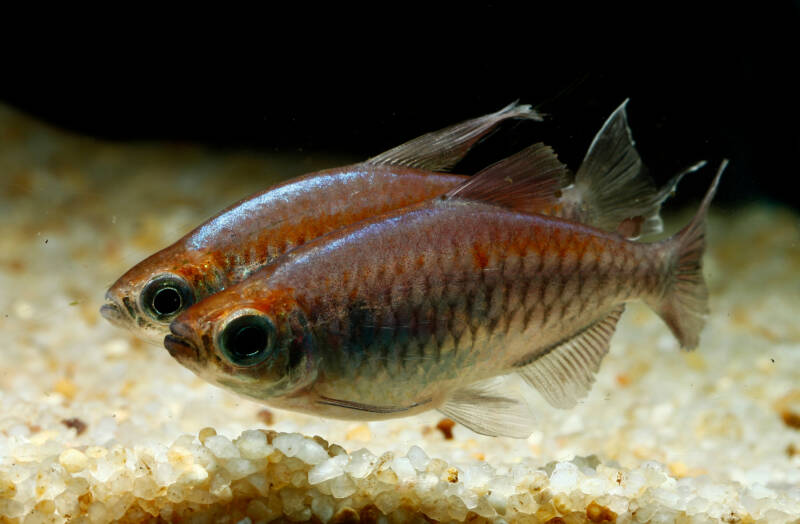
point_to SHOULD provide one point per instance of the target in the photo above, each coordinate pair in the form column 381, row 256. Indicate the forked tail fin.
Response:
column 684, row 305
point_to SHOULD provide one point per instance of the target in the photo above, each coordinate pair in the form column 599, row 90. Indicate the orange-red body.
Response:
column 251, row 233
column 255, row 231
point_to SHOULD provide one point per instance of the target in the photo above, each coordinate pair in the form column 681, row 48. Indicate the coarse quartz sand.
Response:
column 96, row 426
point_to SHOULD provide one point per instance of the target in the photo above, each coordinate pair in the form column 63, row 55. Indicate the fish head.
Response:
column 152, row 293
column 256, row 344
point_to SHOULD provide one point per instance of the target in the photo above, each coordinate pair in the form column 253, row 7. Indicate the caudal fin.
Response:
column 684, row 306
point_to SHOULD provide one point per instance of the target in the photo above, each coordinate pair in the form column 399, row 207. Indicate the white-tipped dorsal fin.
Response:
column 483, row 408
column 441, row 150
column 565, row 374
column 611, row 185
column 526, row 181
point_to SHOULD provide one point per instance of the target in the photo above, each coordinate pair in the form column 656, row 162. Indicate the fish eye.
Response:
column 247, row 339
column 165, row 296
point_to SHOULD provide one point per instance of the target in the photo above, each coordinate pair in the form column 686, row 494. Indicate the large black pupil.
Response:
column 248, row 341
column 167, row 301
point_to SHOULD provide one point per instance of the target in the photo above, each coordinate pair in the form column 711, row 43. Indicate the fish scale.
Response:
column 465, row 291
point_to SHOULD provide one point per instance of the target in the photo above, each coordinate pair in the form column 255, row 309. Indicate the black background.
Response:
column 703, row 84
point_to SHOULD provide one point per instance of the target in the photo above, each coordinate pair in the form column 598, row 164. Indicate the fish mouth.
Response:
column 112, row 312
column 180, row 348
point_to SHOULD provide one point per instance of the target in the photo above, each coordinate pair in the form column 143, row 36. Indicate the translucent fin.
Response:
column 611, row 186
column 443, row 149
column 565, row 374
column 653, row 224
column 527, row 181
column 484, row 409
column 684, row 306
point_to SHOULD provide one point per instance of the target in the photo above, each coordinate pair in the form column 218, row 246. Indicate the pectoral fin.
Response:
column 483, row 408
column 565, row 374
column 441, row 150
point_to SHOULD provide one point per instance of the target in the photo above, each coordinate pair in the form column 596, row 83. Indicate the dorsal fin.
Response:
column 611, row 185
column 565, row 374
column 527, row 181
column 441, row 150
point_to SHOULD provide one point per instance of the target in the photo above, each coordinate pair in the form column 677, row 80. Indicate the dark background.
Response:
column 707, row 85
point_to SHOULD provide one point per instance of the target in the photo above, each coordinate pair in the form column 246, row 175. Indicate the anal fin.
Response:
column 565, row 374
column 483, row 408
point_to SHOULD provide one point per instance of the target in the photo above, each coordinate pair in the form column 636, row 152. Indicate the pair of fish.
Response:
column 390, row 287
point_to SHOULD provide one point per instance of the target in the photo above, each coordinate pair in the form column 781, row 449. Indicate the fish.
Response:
column 253, row 232
column 436, row 305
